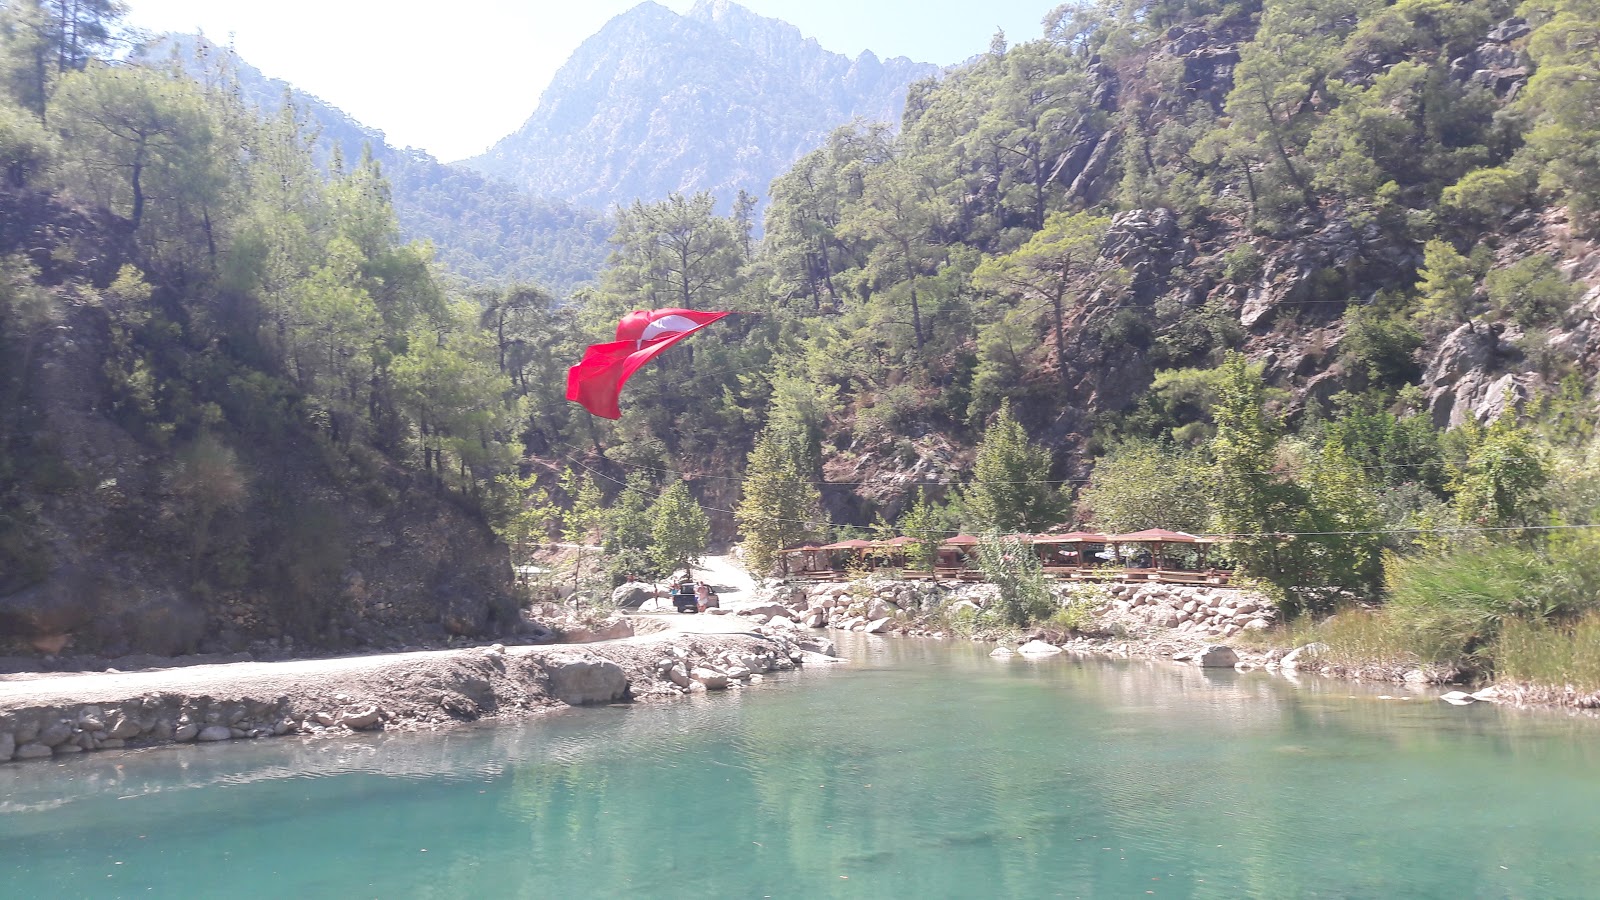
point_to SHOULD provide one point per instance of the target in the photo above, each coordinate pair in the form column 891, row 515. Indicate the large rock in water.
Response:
column 1218, row 657
column 1038, row 648
column 579, row 677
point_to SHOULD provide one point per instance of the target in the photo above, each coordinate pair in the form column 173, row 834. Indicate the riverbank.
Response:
column 1206, row 626
column 44, row 714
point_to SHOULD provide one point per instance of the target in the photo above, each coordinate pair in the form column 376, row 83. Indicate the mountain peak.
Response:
column 719, row 99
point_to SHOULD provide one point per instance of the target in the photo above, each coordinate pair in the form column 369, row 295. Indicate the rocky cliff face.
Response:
column 720, row 99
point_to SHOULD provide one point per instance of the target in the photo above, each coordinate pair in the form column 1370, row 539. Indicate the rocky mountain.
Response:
column 482, row 228
column 720, row 99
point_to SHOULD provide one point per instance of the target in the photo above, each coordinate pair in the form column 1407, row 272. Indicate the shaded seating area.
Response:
column 1078, row 554
column 1175, row 557
column 807, row 562
column 956, row 559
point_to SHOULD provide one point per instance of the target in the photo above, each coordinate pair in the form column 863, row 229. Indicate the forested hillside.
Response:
column 482, row 229
column 1314, row 274
column 235, row 409
column 1317, row 276
column 720, row 100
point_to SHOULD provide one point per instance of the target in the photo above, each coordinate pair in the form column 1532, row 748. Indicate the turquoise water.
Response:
column 922, row 770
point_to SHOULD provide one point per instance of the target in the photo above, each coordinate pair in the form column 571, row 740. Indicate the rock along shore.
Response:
column 50, row 715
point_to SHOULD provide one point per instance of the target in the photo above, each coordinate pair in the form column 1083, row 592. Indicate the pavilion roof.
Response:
column 1159, row 536
column 1075, row 537
column 851, row 544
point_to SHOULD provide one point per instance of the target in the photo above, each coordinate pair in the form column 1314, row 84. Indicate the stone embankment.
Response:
column 884, row 606
column 50, row 715
column 1178, row 622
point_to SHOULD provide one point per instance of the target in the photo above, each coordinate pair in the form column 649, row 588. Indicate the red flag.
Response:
column 642, row 335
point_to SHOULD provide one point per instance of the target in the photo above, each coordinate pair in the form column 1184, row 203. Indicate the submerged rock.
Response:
column 1001, row 652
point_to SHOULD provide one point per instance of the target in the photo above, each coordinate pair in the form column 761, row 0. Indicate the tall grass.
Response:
column 1460, row 602
column 1552, row 655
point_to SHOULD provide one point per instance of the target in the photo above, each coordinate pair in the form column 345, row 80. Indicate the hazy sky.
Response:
column 452, row 77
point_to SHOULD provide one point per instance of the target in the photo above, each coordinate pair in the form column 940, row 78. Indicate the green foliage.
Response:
column 1380, row 344
column 1242, row 264
column 1013, row 568
column 1010, row 490
column 1467, row 596
column 1561, row 656
column 1563, row 144
column 1141, row 484
column 1531, row 291
column 780, row 506
column 679, row 528
column 1487, row 195
column 1502, row 481
column 26, row 148
column 926, row 524
column 1447, row 285
column 1267, row 491
column 521, row 514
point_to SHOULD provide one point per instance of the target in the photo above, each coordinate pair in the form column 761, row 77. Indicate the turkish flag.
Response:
column 642, row 335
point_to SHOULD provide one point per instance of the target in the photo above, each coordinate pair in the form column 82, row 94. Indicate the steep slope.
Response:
column 720, row 99
column 483, row 229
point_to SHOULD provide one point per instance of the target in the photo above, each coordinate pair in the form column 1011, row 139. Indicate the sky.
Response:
column 453, row 77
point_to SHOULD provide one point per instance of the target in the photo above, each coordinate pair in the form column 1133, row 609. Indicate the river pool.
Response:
column 922, row 769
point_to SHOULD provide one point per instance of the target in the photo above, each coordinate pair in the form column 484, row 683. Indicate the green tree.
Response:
column 780, row 505
column 1502, row 481
column 628, row 523
column 1143, row 484
column 1253, row 504
column 137, row 135
column 926, row 524
column 583, row 515
column 1563, row 149
column 1062, row 258
column 676, row 252
column 679, row 528
column 1010, row 489
column 1447, row 284
column 1532, row 291
column 1012, row 566
column 521, row 514
column 896, row 214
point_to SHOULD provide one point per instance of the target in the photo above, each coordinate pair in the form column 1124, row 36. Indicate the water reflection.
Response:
column 923, row 768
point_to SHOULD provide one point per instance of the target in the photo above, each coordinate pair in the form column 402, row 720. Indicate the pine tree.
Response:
column 1010, row 490
column 679, row 528
column 923, row 523
column 779, row 502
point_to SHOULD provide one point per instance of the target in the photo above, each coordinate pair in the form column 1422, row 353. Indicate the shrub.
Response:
column 1012, row 567
column 1241, row 264
column 1467, row 597
column 1531, row 291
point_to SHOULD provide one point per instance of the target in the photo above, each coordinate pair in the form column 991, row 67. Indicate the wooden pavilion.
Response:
column 1074, row 555
column 1169, row 556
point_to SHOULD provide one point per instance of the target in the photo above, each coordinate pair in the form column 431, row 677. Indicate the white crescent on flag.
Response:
column 669, row 324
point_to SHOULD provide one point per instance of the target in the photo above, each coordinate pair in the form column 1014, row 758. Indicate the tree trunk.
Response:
column 138, row 187
column 1061, row 329
column 916, row 310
